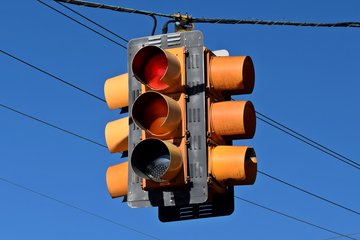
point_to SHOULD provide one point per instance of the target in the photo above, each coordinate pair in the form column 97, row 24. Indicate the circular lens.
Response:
column 150, row 65
column 156, row 113
column 156, row 160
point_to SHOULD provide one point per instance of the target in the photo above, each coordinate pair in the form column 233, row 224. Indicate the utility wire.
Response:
column 66, row 204
column 96, row 215
column 350, row 234
column 308, row 192
column 73, row 19
column 92, row 21
column 350, row 163
column 52, row 75
column 51, row 125
column 293, row 218
column 55, row 199
column 273, row 23
column 115, row 8
column 212, row 20
column 308, row 139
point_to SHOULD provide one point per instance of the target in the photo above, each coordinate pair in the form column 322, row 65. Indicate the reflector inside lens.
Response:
column 155, row 69
column 156, row 160
column 155, row 115
column 157, row 168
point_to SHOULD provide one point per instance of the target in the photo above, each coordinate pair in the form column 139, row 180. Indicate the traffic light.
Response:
column 116, row 134
column 230, row 120
column 160, row 157
column 181, row 126
column 226, row 120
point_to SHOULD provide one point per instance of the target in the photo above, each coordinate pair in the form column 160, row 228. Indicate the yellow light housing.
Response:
column 116, row 135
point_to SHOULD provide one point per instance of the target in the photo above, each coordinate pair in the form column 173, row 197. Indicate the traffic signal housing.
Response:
column 116, row 134
column 230, row 120
column 181, row 127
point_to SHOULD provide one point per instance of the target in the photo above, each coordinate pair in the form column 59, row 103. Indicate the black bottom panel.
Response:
column 217, row 205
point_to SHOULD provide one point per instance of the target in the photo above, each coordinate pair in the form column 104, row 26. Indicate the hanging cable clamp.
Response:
column 183, row 22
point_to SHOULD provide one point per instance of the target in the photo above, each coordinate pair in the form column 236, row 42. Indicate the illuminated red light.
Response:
column 155, row 69
column 149, row 66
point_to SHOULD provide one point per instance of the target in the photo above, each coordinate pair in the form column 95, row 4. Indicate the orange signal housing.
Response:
column 233, row 119
column 116, row 91
column 233, row 165
column 160, row 111
column 228, row 120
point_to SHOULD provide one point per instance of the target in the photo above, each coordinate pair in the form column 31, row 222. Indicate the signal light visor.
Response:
column 116, row 91
column 117, row 180
column 235, row 74
column 233, row 119
column 234, row 165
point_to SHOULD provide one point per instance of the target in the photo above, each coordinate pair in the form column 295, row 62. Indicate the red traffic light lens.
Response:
column 156, row 68
column 149, row 67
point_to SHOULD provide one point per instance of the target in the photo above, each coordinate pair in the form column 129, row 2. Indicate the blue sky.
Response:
column 306, row 78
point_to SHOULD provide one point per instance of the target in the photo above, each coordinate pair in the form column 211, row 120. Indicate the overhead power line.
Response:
column 293, row 218
column 275, row 23
column 51, row 125
column 78, row 22
column 306, row 140
column 92, row 21
column 308, row 192
column 115, row 8
column 66, row 204
column 52, row 75
column 212, row 20
column 337, row 237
